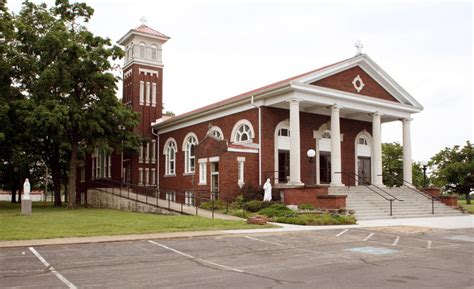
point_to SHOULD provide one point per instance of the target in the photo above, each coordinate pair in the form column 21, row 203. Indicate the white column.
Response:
column 407, row 161
column 295, row 173
column 336, row 176
column 377, row 149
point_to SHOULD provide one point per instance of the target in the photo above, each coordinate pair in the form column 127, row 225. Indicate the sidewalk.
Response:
column 451, row 222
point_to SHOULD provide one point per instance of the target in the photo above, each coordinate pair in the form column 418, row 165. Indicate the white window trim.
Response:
column 153, row 94
column 147, row 151
column 241, row 171
column 202, row 172
column 140, row 176
column 140, row 157
column 189, row 198
column 216, row 129
column 187, row 156
column 237, row 126
column 148, row 93
column 153, row 151
column 153, row 176
column 170, row 196
column 167, row 160
column 142, row 92
column 147, row 176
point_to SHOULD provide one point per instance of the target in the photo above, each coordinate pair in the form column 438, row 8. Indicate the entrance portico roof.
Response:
column 315, row 99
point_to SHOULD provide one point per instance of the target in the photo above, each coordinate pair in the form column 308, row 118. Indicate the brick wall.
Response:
column 343, row 81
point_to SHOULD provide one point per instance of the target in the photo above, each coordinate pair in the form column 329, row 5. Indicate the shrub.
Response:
column 255, row 205
column 291, row 220
column 217, row 204
column 277, row 210
column 238, row 202
column 306, row 207
column 251, row 192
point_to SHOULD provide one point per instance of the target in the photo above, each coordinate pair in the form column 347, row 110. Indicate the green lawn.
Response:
column 48, row 222
column 469, row 208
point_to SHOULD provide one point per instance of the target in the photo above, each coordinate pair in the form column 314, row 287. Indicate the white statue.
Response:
column 267, row 187
column 26, row 190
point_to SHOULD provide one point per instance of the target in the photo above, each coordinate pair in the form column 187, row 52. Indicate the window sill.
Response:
column 169, row 176
column 188, row 174
column 202, row 184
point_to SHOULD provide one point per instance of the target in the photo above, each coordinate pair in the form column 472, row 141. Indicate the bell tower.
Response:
column 143, row 92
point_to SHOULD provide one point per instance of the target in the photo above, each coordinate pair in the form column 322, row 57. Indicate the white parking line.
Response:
column 341, row 233
column 52, row 270
column 428, row 246
column 194, row 258
column 369, row 236
column 260, row 240
column 299, row 249
column 396, row 241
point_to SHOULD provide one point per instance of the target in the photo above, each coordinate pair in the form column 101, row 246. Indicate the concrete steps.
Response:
column 369, row 205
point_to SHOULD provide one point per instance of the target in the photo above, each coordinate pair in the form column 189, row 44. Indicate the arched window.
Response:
column 216, row 132
column 189, row 148
column 142, row 50
column 154, row 54
column 242, row 131
column 170, row 156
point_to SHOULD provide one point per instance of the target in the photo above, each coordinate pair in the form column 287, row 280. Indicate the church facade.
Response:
column 321, row 128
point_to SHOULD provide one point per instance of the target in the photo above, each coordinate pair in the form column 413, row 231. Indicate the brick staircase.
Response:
column 369, row 205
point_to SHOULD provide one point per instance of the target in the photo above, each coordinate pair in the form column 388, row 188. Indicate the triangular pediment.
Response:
column 360, row 75
column 356, row 80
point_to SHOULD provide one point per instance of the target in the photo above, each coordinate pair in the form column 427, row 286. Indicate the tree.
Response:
column 453, row 169
column 392, row 167
column 66, row 71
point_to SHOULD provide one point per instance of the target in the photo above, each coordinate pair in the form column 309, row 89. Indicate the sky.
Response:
column 219, row 49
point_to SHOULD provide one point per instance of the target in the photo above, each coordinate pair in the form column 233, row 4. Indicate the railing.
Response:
column 412, row 187
column 153, row 195
column 380, row 191
column 282, row 178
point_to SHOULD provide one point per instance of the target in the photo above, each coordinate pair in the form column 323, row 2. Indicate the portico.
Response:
column 306, row 96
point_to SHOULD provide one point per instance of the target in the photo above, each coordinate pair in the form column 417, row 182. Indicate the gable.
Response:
column 343, row 81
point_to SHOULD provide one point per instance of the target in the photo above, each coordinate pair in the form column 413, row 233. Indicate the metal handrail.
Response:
column 371, row 189
column 415, row 189
column 155, row 192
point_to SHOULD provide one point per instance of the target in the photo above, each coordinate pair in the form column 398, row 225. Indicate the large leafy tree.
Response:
column 392, row 167
column 67, row 72
column 453, row 169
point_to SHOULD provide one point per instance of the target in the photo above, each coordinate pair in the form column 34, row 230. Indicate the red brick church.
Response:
column 299, row 132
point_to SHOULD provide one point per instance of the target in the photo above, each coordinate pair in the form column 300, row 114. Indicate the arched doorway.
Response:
column 363, row 158
column 323, row 154
column 282, row 152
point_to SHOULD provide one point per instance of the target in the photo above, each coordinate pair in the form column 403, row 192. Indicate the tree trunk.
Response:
column 13, row 200
column 468, row 198
column 56, row 175
column 72, row 176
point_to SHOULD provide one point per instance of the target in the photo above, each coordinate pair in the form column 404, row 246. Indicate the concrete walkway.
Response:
column 452, row 222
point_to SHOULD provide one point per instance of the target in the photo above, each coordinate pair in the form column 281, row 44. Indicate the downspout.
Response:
column 259, row 141
column 157, row 156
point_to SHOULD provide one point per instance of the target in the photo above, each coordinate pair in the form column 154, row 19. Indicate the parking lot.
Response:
column 337, row 258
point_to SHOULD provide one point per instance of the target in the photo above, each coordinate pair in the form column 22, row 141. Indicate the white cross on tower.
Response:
column 359, row 47
column 143, row 20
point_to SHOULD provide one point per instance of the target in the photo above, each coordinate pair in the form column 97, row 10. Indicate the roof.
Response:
column 147, row 30
column 143, row 30
column 244, row 95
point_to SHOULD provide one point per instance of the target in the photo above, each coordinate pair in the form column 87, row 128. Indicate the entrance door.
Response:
column 363, row 164
column 215, row 180
column 324, row 167
column 283, row 166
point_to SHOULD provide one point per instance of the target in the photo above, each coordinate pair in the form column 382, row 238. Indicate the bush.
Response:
column 306, row 207
column 217, row 204
column 277, row 210
column 316, row 219
column 251, row 192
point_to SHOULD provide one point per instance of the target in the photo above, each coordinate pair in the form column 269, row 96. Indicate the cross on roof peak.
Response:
column 143, row 20
column 359, row 47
